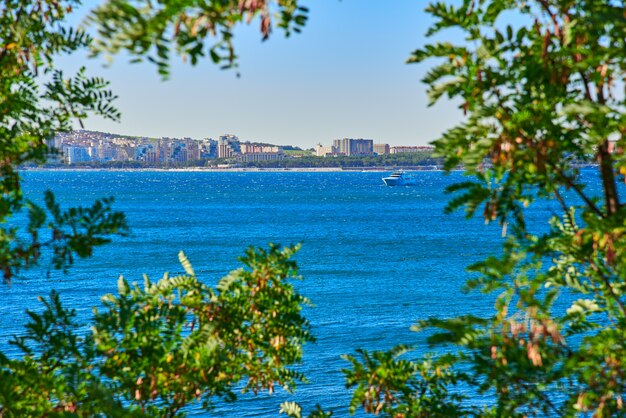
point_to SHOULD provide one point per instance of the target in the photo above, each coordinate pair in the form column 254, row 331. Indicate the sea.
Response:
column 374, row 259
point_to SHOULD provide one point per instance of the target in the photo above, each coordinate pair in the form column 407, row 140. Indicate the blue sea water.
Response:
column 375, row 259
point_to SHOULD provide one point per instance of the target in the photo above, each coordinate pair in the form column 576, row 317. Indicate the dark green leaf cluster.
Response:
column 538, row 95
column 389, row 386
column 36, row 101
column 154, row 349
column 69, row 233
column 153, row 30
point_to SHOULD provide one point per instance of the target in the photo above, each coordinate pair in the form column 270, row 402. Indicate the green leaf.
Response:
column 185, row 263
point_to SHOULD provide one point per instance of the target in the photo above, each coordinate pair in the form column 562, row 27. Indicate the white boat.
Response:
column 400, row 178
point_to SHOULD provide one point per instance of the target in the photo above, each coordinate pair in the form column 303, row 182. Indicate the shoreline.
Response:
column 414, row 169
column 240, row 169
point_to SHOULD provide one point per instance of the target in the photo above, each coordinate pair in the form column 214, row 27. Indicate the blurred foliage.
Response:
column 155, row 349
column 294, row 410
column 537, row 94
column 193, row 29
column 388, row 385
column 151, row 350
column 36, row 101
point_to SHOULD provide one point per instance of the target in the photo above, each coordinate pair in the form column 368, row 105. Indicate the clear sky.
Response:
column 343, row 76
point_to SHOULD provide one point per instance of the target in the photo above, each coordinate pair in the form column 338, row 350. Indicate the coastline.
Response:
column 414, row 169
column 238, row 169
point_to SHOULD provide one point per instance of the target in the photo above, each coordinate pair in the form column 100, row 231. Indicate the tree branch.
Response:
column 607, row 283
column 611, row 199
column 557, row 27
column 570, row 183
column 565, row 208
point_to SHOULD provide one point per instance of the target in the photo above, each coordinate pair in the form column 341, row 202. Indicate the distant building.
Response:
column 125, row 154
column 381, row 149
column 82, row 146
column 105, row 152
column 341, row 145
column 152, row 154
column 193, row 149
column 249, row 148
column 405, row 149
column 259, row 156
column 322, row 151
column 179, row 153
column 72, row 154
column 55, row 143
column 208, row 148
column 351, row 146
column 228, row 146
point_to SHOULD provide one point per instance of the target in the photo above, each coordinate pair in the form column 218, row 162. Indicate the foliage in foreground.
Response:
column 36, row 101
column 153, row 30
column 156, row 348
column 537, row 95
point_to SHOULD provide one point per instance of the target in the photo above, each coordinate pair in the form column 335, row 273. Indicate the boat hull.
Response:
column 393, row 181
column 400, row 179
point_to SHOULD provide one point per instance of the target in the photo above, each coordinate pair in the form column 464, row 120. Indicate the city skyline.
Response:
column 344, row 76
column 83, row 146
column 79, row 131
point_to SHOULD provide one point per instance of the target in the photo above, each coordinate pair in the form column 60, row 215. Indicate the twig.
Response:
column 580, row 193
column 607, row 283
column 565, row 208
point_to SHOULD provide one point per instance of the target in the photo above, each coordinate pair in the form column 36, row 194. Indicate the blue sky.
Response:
column 343, row 76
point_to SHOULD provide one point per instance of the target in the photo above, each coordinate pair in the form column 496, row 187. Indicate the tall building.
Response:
column 228, row 146
column 381, row 149
column 322, row 151
column 351, row 146
column 105, row 152
column 249, row 148
column 74, row 154
column 208, row 148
